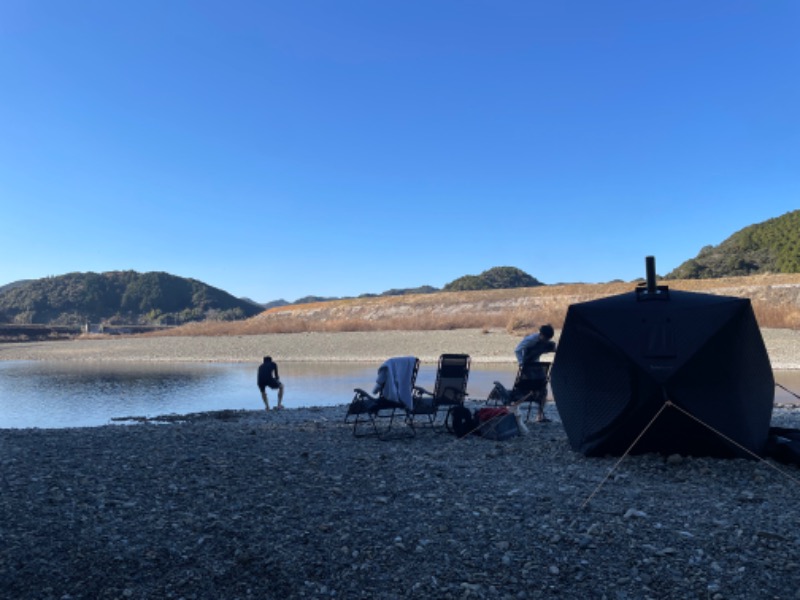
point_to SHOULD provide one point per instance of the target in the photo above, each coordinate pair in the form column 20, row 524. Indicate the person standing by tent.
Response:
column 534, row 376
column 268, row 377
column 532, row 346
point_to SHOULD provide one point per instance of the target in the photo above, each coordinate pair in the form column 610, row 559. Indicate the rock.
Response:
column 674, row 459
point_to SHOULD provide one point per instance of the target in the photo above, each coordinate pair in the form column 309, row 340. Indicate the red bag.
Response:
column 497, row 423
column 488, row 413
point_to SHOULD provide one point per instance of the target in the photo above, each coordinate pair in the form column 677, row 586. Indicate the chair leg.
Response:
column 447, row 426
column 365, row 422
column 407, row 419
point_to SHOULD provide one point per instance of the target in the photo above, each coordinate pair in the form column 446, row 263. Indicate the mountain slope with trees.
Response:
column 494, row 279
column 119, row 297
column 157, row 298
column 769, row 247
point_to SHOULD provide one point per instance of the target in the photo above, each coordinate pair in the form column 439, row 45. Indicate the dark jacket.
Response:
column 268, row 374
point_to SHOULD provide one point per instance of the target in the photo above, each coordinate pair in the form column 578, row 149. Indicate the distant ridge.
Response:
column 157, row 298
column 495, row 278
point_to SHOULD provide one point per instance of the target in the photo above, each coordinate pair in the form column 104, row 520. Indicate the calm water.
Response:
column 64, row 394
column 54, row 394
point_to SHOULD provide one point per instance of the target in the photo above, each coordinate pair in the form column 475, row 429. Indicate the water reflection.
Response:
column 67, row 394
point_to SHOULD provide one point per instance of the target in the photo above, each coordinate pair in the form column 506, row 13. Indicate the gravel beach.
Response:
column 288, row 504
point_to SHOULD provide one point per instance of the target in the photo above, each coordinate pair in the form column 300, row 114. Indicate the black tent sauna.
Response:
column 621, row 359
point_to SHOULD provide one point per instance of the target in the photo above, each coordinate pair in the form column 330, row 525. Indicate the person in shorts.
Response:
column 534, row 377
column 268, row 377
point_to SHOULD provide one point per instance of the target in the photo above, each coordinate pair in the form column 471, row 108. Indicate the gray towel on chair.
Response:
column 395, row 380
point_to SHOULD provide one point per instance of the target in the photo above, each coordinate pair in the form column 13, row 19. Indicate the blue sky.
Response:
column 337, row 147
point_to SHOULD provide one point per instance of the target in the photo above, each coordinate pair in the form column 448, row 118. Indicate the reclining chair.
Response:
column 530, row 386
column 450, row 388
column 392, row 396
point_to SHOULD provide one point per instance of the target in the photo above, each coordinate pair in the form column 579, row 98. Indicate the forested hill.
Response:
column 498, row 278
column 769, row 247
column 119, row 297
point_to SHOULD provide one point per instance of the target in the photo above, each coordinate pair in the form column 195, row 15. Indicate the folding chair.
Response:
column 391, row 397
column 450, row 388
column 530, row 386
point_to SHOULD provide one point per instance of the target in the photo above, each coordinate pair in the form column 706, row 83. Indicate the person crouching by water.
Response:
column 268, row 377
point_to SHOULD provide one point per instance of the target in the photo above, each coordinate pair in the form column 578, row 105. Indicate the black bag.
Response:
column 783, row 445
column 462, row 422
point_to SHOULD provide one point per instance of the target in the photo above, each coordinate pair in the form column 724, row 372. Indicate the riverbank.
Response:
column 484, row 346
column 288, row 504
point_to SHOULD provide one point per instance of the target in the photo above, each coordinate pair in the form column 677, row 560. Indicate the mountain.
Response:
column 493, row 279
column 769, row 247
column 128, row 297
column 423, row 289
column 119, row 297
column 157, row 298
column 251, row 301
column 274, row 303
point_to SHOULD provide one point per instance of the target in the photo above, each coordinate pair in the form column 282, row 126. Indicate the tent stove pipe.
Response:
column 649, row 290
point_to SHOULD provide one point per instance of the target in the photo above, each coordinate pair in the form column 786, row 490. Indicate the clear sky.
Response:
column 277, row 149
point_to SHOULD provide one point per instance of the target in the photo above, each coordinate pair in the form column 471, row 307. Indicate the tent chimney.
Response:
column 649, row 290
column 650, row 266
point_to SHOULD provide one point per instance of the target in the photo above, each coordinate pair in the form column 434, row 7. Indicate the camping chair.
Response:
column 391, row 397
column 450, row 388
column 530, row 386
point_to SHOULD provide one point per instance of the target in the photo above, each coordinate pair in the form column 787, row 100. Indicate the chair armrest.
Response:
column 361, row 403
column 361, row 393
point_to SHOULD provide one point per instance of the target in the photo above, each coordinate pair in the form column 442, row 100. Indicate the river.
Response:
column 49, row 394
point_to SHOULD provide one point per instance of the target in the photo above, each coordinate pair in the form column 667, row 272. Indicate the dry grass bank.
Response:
column 775, row 298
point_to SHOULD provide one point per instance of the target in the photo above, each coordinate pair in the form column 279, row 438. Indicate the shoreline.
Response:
column 493, row 346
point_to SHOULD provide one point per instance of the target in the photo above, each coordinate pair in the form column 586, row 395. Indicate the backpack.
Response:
column 783, row 445
column 462, row 423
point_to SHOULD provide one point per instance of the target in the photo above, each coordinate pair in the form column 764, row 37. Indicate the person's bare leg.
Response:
column 540, row 418
column 265, row 399
column 280, row 395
